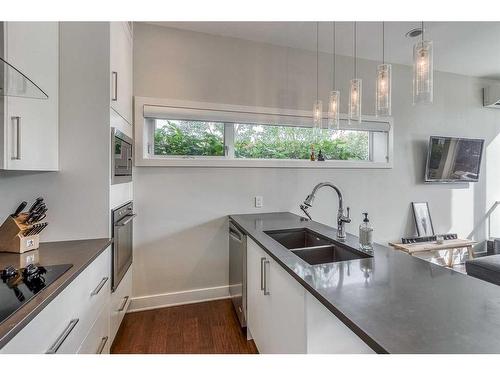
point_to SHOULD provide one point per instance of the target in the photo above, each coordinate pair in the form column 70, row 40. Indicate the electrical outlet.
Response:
column 259, row 201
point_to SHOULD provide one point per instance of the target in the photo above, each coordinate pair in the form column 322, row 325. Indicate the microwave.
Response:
column 121, row 158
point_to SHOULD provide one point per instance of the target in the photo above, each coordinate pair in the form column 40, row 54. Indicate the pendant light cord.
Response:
column 422, row 32
column 317, row 59
column 355, row 52
column 334, row 56
column 383, row 42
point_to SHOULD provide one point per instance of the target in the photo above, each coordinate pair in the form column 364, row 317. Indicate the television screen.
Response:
column 453, row 159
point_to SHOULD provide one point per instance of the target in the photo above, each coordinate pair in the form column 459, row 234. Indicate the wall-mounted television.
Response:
column 453, row 159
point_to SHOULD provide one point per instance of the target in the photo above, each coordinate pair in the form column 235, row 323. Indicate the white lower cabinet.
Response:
column 120, row 301
column 64, row 324
column 275, row 305
column 326, row 334
column 283, row 317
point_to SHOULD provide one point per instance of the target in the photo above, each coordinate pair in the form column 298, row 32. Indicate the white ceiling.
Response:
column 468, row 48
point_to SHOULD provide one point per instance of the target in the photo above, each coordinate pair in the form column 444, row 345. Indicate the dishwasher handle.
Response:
column 235, row 233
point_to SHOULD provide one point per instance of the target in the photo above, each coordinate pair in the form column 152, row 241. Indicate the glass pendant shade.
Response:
column 422, row 73
column 333, row 110
column 317, row 117
column 355, row 100
column 383, row 95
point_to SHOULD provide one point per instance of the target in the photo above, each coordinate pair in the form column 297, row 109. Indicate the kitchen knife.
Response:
column 36, row 215
column 41, row 214
column 19, row 209
column 38, row 201
column 27, row 232
column 40, row 208
column 35, row 229
column 42, row 227
column 29, row 217
column 39, row 217
column 38, row 228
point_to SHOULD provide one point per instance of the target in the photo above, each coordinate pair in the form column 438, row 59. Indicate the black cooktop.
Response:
column 19, row 286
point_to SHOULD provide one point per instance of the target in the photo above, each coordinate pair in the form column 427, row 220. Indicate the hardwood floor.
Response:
column 200, row 328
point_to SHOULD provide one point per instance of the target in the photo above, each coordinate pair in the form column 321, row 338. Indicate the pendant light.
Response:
column 355, row 90
column 334, row 98
column 318, row 104
column 422, row 71
column 384, row 78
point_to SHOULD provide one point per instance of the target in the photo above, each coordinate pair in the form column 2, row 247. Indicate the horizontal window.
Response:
column 188, row 138
column 293, row 142
column 205, row 134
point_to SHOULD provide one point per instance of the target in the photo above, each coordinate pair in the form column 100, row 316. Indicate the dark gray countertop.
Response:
column 79, row 253
column 394, row 302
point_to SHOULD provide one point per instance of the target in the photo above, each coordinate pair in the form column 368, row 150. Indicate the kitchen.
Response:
column 165, row 135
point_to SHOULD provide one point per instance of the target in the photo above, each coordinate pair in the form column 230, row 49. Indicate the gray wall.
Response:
column 78, row 195
column 180, row 233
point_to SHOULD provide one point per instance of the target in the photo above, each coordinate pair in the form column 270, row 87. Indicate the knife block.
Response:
column 12, row 239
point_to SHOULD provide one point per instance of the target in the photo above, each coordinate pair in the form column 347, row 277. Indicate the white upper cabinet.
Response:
column 29, row 128
column 121, row 69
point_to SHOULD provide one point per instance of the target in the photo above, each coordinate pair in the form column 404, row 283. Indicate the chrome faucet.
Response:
column 341, row 219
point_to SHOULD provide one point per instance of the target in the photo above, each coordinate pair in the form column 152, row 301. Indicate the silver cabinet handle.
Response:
column 266, row 290
column 99, row 286
column 262, row 260
column 114, row 76
column 16, row 122
column 122, row 307
column 104, row 340
column 62, row 337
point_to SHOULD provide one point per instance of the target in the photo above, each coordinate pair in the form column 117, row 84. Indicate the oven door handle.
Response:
column 125, row 221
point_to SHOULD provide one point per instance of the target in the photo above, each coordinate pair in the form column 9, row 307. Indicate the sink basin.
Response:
column 313, row 248
column 328, row 254
column 298, row 238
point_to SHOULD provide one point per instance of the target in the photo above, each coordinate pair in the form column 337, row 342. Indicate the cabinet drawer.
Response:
column 120, row 301
column 64, row 323
column 90, row 293
column 97, row 341
column 95, row 287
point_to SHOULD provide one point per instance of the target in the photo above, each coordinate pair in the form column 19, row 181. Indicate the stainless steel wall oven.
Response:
column 122, row 228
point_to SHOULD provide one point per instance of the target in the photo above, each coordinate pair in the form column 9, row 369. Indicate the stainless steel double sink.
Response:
column 314, row 248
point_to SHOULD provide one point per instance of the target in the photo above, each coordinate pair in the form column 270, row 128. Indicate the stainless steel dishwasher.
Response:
column 238, row 271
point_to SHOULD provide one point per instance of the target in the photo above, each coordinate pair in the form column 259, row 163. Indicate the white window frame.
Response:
column 229, row 114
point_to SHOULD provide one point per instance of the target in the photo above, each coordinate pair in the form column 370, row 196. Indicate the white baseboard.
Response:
column 178, row 298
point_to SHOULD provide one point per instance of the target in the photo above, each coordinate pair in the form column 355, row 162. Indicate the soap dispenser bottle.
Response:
column 366, row 234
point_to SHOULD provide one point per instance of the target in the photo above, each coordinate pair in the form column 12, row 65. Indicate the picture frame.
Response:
column 423, row 221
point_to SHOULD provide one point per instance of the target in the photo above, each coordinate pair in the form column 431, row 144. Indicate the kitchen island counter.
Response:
column 394, row 302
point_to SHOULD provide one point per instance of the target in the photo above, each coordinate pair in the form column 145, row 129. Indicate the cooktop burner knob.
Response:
column 8, row 272
column 30, row 270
